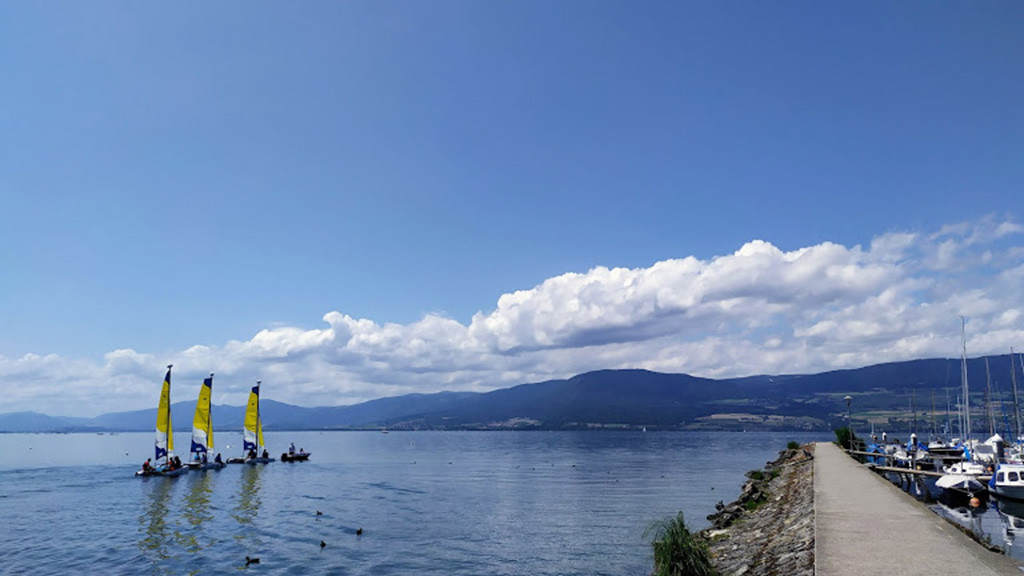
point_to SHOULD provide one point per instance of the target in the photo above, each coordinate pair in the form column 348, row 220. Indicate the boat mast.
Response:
column 948, row 430
column 170, row 431
column 963, row 380
column 209, row 418
column 913, row 410
column 990, row 414
column 934, row 432
column 1016, row 403
column 259, row 425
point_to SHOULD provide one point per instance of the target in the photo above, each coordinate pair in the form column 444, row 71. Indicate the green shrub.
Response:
column 844, row 437
column 793, row 445
column 677, row 552
column 751, row 505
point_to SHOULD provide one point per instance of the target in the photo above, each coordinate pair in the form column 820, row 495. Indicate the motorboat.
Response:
column 1008, row 481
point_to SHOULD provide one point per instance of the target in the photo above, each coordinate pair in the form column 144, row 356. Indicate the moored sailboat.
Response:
column 964, row 478
column 164, row 437
column 202, row 430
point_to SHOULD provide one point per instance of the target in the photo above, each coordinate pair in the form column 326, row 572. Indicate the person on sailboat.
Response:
column 252, row 453
column 265, row 453
column 146, row 466
column 217, row 459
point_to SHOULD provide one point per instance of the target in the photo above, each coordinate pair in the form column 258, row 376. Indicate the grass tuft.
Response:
column 677, row 552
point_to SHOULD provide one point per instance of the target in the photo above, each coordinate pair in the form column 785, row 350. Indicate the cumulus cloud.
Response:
column 758, row 310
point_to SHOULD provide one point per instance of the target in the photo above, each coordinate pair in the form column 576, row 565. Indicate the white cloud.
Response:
column 757, row 310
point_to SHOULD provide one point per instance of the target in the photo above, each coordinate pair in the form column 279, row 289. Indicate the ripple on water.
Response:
column 509, row 503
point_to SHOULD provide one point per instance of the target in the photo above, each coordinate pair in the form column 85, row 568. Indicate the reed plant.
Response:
column 677, row 551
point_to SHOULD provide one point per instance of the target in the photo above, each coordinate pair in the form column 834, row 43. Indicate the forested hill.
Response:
column 888, row 394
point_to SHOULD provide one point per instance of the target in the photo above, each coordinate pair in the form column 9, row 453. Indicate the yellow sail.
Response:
column 164, row 433
column 253, row 430
column 202, row 423
column 259, row 431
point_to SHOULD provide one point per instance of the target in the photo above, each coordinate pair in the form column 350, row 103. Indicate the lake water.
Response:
column 445, row 503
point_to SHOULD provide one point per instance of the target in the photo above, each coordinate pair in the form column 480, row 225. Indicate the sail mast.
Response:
column 1016, row 403
column 202, row 422
column 934, row 432
column 209, row 416
column 963, row 380
column 251, row 430
column 259, row 425
column 164, row 431
column 990, row 414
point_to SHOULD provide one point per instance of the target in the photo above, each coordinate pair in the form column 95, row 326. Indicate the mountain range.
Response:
column 887, row 395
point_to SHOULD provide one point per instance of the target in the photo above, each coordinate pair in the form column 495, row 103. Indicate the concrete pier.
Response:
column 864, row 526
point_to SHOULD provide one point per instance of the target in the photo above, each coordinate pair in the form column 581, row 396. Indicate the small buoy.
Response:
column 975, row 502
column 323, row 544
column 319, row 513
column 359, row 531
column 251, row 560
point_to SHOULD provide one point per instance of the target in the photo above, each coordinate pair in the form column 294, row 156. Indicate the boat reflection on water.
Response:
column 1011, row 512
column 968, row 517
column 248, row 506
column 922, row 488
column 197, row 510
column 154, row 519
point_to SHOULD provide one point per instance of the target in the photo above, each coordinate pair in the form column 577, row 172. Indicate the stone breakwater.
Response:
column 769, row 529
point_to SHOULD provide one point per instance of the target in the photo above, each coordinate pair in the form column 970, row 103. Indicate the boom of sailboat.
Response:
column 166, row 464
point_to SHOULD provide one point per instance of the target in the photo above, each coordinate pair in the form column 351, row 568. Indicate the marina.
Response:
column 864, row 525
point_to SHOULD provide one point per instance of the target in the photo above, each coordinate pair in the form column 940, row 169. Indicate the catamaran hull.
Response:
column 259, row 460
column 165, row 473
column 207, row 466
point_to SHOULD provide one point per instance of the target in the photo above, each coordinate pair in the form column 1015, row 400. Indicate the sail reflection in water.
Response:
column 197, row 511
column 153, row 521
column 247, row 508
column 428, row 503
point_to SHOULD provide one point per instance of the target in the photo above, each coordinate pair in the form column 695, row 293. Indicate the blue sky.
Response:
column 360, row 199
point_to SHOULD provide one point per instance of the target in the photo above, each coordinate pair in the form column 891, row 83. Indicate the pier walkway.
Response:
column 864, row 525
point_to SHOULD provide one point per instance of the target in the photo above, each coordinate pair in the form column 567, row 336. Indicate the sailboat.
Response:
column 202, row 430
column 963, row 477
column 252, row 432
column 164, row 437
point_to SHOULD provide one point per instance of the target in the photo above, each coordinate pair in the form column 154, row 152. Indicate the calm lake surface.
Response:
column 445, row 503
